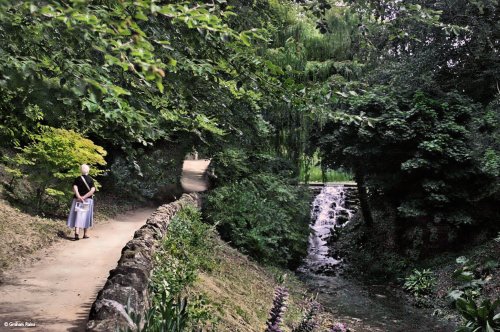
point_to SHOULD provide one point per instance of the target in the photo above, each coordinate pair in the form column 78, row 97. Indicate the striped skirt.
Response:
column 81, row 219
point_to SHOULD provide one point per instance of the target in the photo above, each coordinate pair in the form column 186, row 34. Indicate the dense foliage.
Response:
column 420, row 282
column 263, row 216
column 47, row 166
column 152, row 175
column 429, row 88
column 126, row 74
column 402, row 94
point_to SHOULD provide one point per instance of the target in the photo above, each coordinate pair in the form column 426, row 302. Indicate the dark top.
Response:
column 82, row 188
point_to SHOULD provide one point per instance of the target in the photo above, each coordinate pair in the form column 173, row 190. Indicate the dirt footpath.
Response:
column 55, row 294
column 193, row 175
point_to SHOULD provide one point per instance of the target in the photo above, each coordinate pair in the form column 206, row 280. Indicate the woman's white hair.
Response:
column 85, row 169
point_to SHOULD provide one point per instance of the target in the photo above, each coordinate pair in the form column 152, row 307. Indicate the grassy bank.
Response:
column 225, row 290
column 21, row 235
column 240, row 292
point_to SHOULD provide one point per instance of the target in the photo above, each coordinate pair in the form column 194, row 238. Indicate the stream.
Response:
column 361, row 307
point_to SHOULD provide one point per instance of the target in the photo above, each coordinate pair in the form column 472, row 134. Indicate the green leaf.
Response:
column 489, row 328
column 159, row 84
column 141, row 16
column 55, row 192
column 117, row 90
column 245, row 39
column 482, row 312
column 455, row 294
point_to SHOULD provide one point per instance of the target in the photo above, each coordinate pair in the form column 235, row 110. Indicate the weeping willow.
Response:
column 311, row 62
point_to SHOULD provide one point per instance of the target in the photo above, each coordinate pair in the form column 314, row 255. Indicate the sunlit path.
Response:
column 56, row 292
column 193, row 175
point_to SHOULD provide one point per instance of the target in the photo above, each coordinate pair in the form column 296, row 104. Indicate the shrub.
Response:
column 49, row 165
column 234, row 164
column 420, row 283
column 168, row 315
column 263, row 217
column 230, row 164
column 467, row 278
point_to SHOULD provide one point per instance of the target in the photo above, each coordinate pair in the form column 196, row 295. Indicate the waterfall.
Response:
column 328, row 212
column 368, row 307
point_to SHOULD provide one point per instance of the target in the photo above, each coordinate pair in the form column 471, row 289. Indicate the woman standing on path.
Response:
column 81, row 214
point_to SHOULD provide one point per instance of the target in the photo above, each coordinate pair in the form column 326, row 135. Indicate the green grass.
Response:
column 315, row 175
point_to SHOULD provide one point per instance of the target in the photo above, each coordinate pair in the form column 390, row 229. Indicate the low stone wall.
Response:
column 127, row 284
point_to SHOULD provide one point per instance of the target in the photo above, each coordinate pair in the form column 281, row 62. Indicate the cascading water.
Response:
column 328, row 212
column 365, row 308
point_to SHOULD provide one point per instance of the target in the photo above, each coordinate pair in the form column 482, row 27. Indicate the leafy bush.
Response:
column 263, row 217
column 169, row 315
column 420, row 283
column 468, row 278
column 235, row 164
column 49, row 165
column 478, row 318
column 230, row 164
column 173, row 312
column 417, row 158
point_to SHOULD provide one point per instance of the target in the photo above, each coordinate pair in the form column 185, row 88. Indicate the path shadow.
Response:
column 80, row 323
column 48, row 324
column 65, row 236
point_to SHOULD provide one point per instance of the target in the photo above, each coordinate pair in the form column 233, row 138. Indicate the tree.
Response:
column 52, row 161
column 130, row 75
column 428, row 86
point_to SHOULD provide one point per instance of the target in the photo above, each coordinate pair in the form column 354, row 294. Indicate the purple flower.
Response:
column 339, row 327
column 278, row 309
column 309, row 323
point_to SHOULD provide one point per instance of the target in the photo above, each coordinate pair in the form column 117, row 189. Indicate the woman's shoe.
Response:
column 86, row 237
column 77, row 237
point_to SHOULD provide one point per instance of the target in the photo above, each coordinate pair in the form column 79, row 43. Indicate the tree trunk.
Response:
column 359, row 177
column 39, row 197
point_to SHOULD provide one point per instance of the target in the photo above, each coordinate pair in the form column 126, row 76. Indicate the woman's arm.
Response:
column 90, row 193
column 77, row 194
